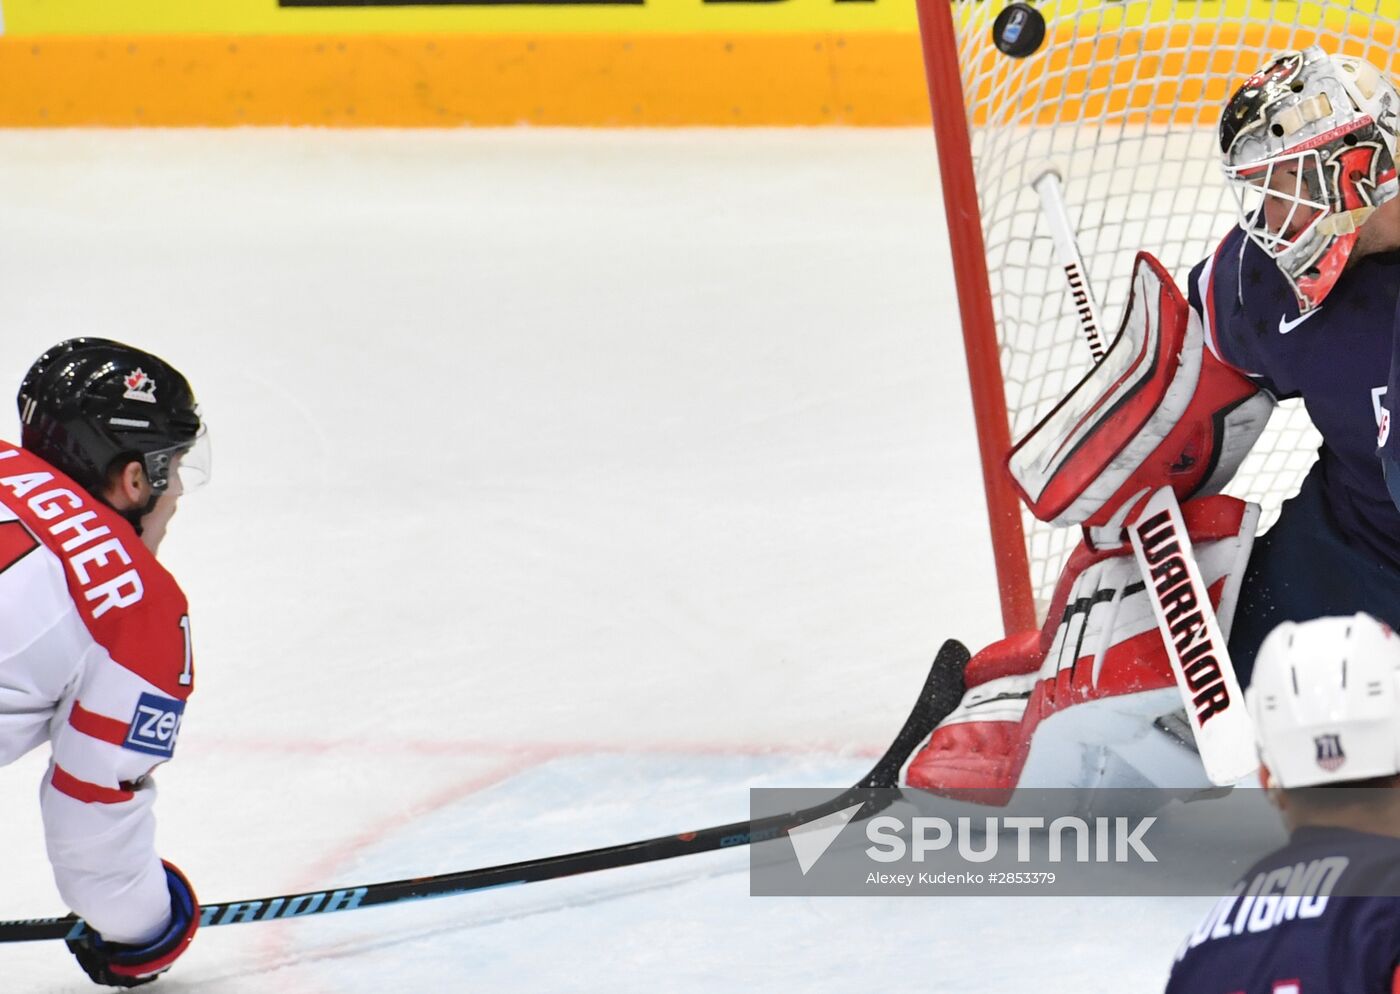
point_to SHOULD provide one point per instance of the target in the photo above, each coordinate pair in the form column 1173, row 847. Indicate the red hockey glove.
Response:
column 118, row 965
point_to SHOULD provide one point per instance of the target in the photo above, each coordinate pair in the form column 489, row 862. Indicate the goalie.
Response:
column 1301, row 297
column 1092, row 699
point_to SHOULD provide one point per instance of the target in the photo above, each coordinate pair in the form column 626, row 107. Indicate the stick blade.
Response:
column 941, row 694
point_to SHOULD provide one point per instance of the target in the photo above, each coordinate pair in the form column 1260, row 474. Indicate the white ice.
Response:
column 566, row 484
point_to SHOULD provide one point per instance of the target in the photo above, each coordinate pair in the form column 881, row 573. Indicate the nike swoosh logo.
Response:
column 1285, row 325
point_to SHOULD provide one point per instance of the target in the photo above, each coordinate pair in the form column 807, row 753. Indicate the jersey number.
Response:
column 187, row 675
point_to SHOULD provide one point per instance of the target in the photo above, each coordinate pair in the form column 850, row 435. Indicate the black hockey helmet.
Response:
column 88, row 404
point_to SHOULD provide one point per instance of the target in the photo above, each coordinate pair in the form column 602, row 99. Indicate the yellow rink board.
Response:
column 536, row 17
column 657, row 62
column 325, row 17
column 441, row 80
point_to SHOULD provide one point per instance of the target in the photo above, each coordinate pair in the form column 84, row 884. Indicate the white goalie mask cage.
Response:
column 1309, row 146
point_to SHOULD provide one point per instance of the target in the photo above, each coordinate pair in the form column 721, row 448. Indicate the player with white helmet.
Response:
column 1326, row 704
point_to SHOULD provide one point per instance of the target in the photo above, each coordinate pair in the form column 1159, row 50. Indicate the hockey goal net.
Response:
column 1122, row 99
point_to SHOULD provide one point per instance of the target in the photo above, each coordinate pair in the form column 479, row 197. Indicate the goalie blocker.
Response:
column 1093, row 698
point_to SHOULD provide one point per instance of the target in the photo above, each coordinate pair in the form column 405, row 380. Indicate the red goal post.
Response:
column 1122, row 98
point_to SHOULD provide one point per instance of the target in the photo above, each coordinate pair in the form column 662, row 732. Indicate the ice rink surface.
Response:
column 566, row 485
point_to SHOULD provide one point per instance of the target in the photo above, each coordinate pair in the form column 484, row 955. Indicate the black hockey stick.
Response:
column 940, row 695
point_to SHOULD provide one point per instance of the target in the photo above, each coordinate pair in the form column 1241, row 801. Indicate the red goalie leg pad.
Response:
column 982, row 749
column 1099, row 668
column 973, row 757
column 982, row 746
column 979, row 753
column 1015, row 655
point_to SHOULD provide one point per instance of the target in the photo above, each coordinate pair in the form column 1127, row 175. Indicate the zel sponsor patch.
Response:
column 156, row 725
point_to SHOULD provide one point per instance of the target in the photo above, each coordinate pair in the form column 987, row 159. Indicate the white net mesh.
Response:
column 1122, row 99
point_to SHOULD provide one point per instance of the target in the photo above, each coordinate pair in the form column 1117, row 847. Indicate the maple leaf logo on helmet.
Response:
column 140, row 387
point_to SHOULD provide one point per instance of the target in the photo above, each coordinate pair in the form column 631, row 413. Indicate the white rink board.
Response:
column 566, row 484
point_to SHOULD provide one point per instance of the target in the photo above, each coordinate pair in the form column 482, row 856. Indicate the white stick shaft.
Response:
column 1052, row 207
column 1195, row 644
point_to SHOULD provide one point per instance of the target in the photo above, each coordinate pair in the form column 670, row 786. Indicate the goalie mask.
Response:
column 1308, row 145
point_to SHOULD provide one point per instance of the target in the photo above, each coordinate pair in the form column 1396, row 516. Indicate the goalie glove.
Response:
column 1090, row 700
column 117, row 965
column 1158, row 410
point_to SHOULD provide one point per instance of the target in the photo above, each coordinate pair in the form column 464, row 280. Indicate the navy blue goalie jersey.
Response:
column 1337, row 358
column 1263, row 941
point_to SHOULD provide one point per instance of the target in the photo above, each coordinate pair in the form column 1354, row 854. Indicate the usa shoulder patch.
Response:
column 156, row 726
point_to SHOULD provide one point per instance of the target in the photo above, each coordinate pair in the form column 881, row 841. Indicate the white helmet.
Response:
column 1312, row 138
column 1326, row 701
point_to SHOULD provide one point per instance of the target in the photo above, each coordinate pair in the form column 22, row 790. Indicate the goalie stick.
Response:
column 1196, row 647
column 1052, row 207
column 941, row 693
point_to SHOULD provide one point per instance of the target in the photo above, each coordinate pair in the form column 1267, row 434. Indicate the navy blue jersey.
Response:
column 1337, row 358
column 1257, row 942
column 1390, row 441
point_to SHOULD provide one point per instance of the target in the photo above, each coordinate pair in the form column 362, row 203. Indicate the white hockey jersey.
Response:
column 95, row 658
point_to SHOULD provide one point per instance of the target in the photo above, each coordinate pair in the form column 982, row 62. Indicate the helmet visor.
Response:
column 180, row 469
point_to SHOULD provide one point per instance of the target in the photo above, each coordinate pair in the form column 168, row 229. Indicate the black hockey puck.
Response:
column 1018, row 30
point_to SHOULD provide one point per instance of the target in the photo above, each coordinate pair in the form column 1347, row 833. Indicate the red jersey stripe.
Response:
column 99, row 726
column 128, row 601
column 15, row 543
column 89, row 793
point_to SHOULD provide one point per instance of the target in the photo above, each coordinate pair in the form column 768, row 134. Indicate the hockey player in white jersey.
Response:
column 95, row 653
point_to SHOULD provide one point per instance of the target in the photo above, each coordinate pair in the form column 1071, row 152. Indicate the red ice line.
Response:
column 276, row 948
column 521, row 756
column 540, row 751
